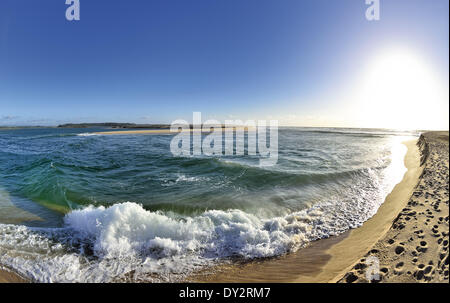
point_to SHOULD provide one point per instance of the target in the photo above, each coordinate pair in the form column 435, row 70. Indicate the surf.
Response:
column 188, row 213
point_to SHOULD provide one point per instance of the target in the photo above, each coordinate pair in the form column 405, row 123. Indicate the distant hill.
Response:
column 114, row 125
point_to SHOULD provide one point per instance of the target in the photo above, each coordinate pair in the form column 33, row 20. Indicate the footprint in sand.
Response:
column 399, row 250
column 423, row 247
column 399, row 268
column 419, row 275
column 428, row 269
column 435, row 231
column 419, row 234
column 351, row 277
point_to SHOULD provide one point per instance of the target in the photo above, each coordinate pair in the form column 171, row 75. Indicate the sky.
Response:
column 304, row 63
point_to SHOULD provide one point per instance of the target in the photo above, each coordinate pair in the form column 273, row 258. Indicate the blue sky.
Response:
column 154, row 61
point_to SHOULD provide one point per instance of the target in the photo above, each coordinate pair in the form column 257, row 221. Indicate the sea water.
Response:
column 123, row 207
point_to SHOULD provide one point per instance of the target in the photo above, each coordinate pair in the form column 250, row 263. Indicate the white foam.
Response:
column 183, row 178
column 126, row 237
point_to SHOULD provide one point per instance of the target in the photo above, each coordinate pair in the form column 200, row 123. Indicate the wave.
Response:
column 60, row 184
column 127, row 242
column 125, row 237
column 254, row 174
column 45, row 136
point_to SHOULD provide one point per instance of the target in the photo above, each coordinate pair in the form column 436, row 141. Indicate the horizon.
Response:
column 168, row 124
column 308, row 64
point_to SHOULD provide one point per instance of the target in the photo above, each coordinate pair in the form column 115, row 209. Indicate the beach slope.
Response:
column 415, row 249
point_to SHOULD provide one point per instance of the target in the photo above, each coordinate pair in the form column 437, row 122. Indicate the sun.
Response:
column 400, row 91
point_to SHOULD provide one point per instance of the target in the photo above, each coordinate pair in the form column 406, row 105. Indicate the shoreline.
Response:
column 335, row 259
column 415, row 249
column 326, row 260
column 9, row 276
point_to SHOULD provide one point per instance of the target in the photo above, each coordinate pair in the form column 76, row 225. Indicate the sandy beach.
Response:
column 415, row 249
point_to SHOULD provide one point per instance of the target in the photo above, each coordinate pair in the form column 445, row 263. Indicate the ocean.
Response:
column 113, row 208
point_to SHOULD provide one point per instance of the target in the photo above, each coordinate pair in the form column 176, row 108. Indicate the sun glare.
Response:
column 400, row 91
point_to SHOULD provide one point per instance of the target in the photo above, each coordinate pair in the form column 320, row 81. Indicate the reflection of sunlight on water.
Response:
column 397, row 168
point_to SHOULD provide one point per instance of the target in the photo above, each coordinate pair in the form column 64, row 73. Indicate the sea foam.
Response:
column 99, row 244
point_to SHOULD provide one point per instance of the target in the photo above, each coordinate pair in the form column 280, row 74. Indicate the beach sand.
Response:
column 7, row 276
column 415, row 249
column 409, row 234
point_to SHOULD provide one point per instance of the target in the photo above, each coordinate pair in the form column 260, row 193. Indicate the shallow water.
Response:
column 185, row 213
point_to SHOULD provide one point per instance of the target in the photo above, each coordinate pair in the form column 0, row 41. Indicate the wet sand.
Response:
column 329, row 259
column 10, row 214
column 7, row 276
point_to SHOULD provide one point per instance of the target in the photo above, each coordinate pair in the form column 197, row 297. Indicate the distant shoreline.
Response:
column 114, row 125
column 108, row 125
